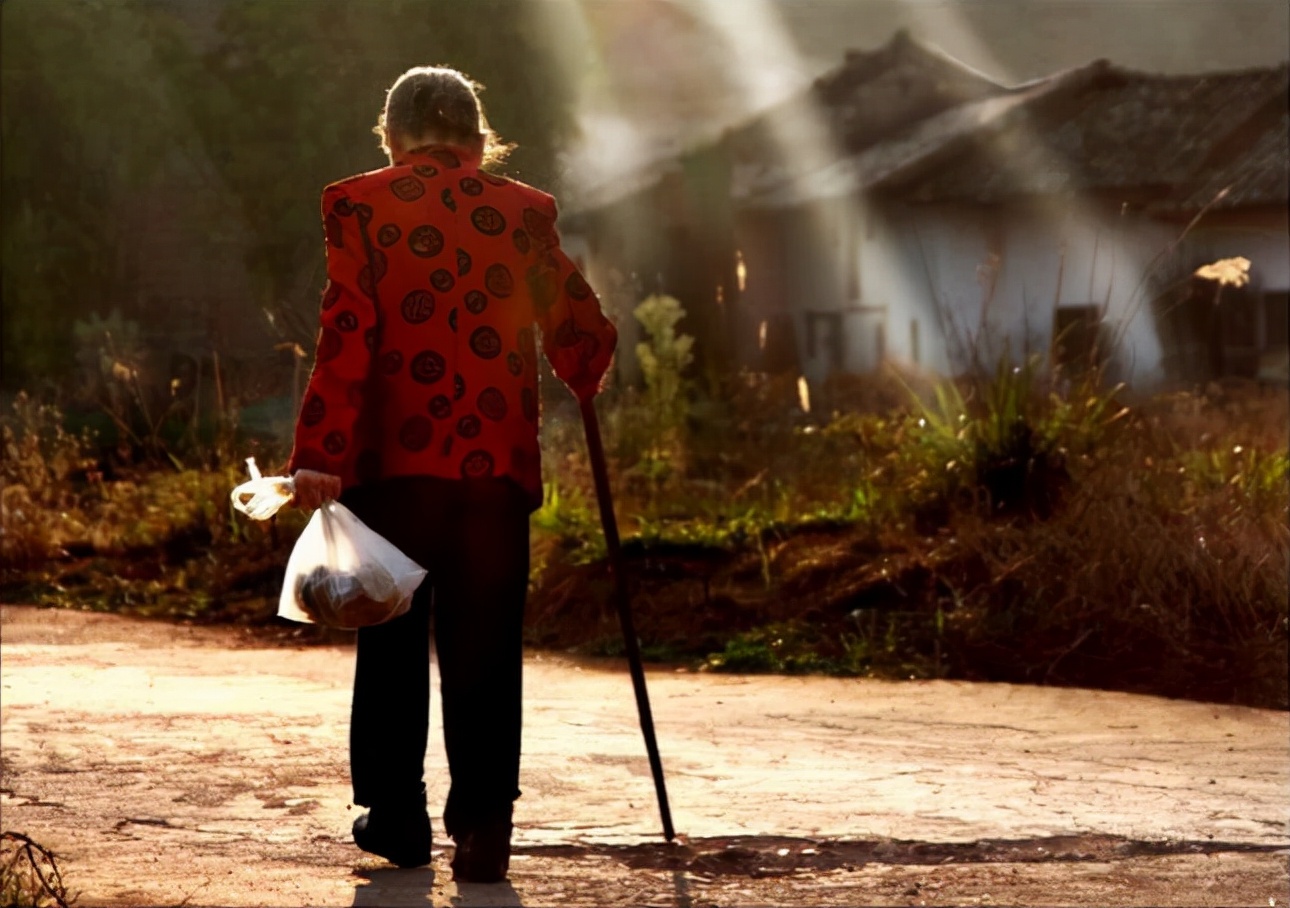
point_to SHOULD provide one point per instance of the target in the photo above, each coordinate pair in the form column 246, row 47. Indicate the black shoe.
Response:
column 483, row 854
column 401, row 836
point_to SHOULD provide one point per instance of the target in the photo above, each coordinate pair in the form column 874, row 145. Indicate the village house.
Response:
column 907, row 209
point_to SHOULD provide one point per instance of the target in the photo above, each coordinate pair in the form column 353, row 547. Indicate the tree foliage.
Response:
column 243, row 110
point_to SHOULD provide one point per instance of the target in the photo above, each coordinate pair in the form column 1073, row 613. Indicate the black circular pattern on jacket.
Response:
column 425, row 241
column 576, row 286
column 440, row 406
column 469, row 426
column 488, row 220
column 425, row 170
column 415, row 433
column 364, row 212
column 390, row 362
column 452, row 319
column 458, row 387
column 491, row 402
column 329, row 344
column 315, row 410
column 347, row 321
column 486, row 342
column 445, row 157
column 442, row 280
column 541, row 227
column 331, row 296
column 567, row 334
column 498, row 281
column 371, row 273
column 521, row 241
column 407, row 189
column 332, row 228
column 365, row 281
column 343, row 206
column 417, row 307
column 388, row 235
column 471, row 186
column 448, row 201
column 428, row 367
column 463, row 262
column 514, row 364
column 528, row 404
column 476, row 302
column 478, row 464
column 335, row 443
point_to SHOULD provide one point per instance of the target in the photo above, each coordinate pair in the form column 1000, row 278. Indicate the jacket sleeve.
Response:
column 324, row 437
column 577, row 339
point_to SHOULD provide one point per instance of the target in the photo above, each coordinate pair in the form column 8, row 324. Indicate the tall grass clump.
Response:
column 1002, row 442
column 1164, row 567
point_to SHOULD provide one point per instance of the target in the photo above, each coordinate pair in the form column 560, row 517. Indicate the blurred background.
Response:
column 162, row 160
column 895, row 279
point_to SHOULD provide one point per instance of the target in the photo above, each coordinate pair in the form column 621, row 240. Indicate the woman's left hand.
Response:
column 313, row 488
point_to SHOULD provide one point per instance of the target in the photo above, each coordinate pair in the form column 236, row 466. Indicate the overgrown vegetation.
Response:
column 1010, row 526
column 1007, row 527
column 80, row 525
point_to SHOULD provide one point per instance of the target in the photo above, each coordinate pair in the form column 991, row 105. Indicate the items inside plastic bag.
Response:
column 262, row 496
column 344, row 574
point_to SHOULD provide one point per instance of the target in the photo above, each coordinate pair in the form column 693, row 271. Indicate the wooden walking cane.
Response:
column 596, row 453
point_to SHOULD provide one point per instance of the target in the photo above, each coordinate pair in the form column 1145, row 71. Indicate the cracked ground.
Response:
column 166, row 765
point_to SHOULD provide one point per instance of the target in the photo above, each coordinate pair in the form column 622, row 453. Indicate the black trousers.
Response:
column 472, row 536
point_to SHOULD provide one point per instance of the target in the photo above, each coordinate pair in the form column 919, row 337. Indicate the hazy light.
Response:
column 1233, row 272
column 803, row 394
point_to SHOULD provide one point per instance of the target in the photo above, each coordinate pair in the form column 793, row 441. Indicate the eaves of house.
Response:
column 1162, row 143
column 916, row 150
column 871, row 97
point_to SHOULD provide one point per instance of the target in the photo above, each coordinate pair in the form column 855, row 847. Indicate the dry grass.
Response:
column 1158, row 560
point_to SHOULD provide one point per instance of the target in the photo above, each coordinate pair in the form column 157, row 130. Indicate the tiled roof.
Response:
column 1159, row 139
column 871, row 96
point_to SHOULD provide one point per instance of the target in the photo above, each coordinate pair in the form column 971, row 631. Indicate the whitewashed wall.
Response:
column 992, row 278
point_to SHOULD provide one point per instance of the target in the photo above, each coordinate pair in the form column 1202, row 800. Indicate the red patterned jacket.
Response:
column 426, row 360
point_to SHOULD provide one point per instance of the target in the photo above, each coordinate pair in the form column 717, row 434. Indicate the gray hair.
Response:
column 438, row 104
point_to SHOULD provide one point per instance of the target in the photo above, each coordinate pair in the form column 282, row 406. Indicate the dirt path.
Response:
column 170, row 765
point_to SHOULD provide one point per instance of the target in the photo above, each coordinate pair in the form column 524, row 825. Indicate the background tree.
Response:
column 242, row 110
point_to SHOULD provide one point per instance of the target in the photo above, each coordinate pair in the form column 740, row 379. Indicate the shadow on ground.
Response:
column 710, row 871
column 764, row 856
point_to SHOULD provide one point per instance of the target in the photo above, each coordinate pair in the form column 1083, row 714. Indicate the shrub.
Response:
column 1004, row 442
column 42, row 472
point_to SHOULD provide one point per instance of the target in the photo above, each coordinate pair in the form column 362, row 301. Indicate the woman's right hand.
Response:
column 313, row 488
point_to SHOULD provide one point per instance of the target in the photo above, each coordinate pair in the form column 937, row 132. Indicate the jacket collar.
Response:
column 444, row 154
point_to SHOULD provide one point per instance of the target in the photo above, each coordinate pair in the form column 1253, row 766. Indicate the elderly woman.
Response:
column 421, row 416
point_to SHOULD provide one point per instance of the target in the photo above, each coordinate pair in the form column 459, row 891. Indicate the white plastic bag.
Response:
column 262, row 496
column 341, row 573
column 344, row 574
